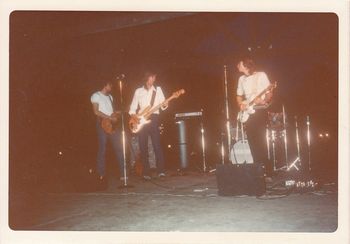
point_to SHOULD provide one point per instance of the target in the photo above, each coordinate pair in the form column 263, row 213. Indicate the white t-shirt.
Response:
column 250, row 86
column 142, row 98
column 104, row 102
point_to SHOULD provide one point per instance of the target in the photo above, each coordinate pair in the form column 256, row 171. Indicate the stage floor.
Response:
column 186, row 203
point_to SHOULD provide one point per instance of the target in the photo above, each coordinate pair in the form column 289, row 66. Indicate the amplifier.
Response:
column 244, row 179
column 188, row 115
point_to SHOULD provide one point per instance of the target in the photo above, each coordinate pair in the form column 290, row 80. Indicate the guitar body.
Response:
column 243, row 116
column 138, row 121
column 108, row 125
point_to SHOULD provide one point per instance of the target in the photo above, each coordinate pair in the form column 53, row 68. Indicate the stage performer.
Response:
column 103, row 108
column 149, row 95
column 250, row 85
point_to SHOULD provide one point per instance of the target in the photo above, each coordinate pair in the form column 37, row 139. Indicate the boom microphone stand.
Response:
column 228, row 127
column 125, row 183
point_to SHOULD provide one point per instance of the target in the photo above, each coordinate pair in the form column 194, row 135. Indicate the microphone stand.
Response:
column 125, row 183
column 228, row 127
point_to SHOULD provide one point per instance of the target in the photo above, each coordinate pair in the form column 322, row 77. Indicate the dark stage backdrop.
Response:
column 58, row 59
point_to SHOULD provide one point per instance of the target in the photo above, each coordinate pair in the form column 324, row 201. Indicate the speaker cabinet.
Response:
column 244, row 179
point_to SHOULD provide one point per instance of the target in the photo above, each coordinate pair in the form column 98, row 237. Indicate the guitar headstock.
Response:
column 178, row 93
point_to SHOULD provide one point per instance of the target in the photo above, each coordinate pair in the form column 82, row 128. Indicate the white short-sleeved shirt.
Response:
column 143, row 97
column 104, row 102
column 250, row 86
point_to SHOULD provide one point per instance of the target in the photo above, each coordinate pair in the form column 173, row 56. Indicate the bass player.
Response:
column 103, row 108
column 149, row 96
column 250, row 84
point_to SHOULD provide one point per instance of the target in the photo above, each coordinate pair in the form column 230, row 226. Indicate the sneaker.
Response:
column 147, row 177
column 161, row 175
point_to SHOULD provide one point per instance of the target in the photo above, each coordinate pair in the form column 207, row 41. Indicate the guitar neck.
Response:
column 152, row 110
column 259, row 95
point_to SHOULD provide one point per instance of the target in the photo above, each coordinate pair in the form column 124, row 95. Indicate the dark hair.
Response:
column 249, row 63
column 146, row 75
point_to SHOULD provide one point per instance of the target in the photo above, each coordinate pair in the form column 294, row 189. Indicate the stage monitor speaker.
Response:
column 244, row 179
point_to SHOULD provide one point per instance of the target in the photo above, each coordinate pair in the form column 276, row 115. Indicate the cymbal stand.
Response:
column 308, row 140
column 298, row 147
column 268, row 143
column 203, row 146
column 222, row 148
column 285, row 136
column 273, row 139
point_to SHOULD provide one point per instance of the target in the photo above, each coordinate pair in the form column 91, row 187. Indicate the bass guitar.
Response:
column 243, row 115
column 137, row 121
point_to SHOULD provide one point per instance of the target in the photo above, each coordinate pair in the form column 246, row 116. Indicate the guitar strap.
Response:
column 110, row 99
column 153, row 97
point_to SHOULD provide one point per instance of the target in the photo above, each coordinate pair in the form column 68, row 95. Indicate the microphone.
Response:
column 120, row 77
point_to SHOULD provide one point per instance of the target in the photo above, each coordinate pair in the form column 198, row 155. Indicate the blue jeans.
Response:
column 116, row 140
column 151, row 129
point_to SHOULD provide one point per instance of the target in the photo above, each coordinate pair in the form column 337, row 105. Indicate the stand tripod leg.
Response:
column 203, row 148
column 293, row 164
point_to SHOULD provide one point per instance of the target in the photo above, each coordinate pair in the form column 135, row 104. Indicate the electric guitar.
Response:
column 108, row 125
column 243, row 115
column 137, row 121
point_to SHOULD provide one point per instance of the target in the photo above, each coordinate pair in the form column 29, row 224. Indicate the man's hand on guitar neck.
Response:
column 259, row 101
column 134, row 118
column 164, row 106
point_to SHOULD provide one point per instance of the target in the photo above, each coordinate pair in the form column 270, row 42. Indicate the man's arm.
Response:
column 263, row 79
column 162, row 98
column 240, row 103
column 100, row 114
column 133, row 105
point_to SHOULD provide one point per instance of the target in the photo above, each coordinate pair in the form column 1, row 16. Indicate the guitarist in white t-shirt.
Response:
column 250, row 85
column 106, row 117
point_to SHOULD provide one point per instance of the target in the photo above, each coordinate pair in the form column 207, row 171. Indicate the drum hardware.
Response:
column 285, row 136
column 273, row 138
column 203, row 148
column 308, row 141
column 222, row 148
column 267, row 142
column 294, row 163
column 274, row 133
column 275, row 130
column 240, row 152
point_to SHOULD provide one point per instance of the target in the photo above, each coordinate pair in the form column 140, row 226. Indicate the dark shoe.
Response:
column 101, row 184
